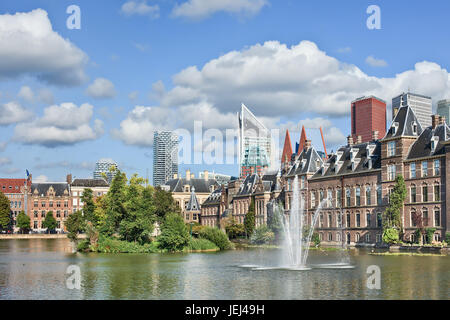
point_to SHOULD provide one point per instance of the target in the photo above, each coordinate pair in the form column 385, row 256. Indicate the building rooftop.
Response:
column 89, row 183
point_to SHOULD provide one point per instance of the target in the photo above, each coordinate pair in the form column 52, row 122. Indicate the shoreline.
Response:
column 18, row 236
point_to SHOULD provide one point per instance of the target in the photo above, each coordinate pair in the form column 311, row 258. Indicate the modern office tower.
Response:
column 165, row 156
column 104, row 167
column 421, row 105
column 255, row 144
column 368, row 115
column 443, row 109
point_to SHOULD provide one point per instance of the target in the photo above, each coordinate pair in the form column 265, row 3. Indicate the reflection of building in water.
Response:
column 255, row 144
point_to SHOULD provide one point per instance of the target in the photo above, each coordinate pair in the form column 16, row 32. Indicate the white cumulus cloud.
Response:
column 13, row 112
column 64, row 124
column 200, row 9
column 101, row 88
column 140, row 8
column 29, row 46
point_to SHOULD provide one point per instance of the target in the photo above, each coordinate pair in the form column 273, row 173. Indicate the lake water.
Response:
column 36, row 269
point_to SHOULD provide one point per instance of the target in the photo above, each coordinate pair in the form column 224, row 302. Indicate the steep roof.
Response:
column 403, row 124
column 213, row 198
column 193, row 204
column 309, row 161
column 43, row 187
column 200, row 185
column 360, row 158
column 287, row 149
column 89, row 183
column 422, row 147
column 12, row 185
column 301, row 144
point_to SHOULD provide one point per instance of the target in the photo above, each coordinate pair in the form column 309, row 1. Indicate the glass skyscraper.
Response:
column 421, row 105
column 165, row 156
column 255, row 144
column 443, row 109
column 103, row 167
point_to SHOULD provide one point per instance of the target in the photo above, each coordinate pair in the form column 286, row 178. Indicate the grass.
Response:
column 199, row 244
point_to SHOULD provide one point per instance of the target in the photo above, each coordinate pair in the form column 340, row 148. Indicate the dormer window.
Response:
column 414, row 128
column 395, row 128
column 434, row 142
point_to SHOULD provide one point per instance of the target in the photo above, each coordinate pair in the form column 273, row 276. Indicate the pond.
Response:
column 36, row 269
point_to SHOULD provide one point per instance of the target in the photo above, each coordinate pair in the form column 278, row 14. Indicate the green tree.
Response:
column 262, row 235
column 249, row 221
column 5, row 212
column 390, row 235
column 23, row 222
column 115, row 204
column 392, row 214
column 164, row 203
column 75, row 224
column 89, row 206
column 49, row 222
column 233, row 229
column 216, row 236
column 174, row 234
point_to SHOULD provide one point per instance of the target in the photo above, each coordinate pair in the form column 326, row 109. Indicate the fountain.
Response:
column 297, row 235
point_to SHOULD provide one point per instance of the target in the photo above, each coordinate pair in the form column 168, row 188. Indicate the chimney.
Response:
column 188, row 174
column 69, row 178
column 175, row 175
column 307, row 144
column 435, row 120
column 350, row 141
column 358, row 139
column 375, row 135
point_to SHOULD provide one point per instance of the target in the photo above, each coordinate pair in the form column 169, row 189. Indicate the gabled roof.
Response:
column 247, row 186
column 43, row 187
column 200, row 185
column 89, row 183
column 213, row 198
column 405, row 118
column 309, row 161
column 193, row 204
column 422, row 147
column 341, row 162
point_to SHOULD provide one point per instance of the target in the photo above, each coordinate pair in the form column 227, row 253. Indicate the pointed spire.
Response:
column 287, row 149
column 302, row 142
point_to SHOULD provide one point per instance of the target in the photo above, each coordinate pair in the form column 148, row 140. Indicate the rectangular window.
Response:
column 379, row 220
column 321, row 220
column 35, row 224
column 367, row 237
column 50, row 204
column 338, row 198
column 368, row 220
column 425, row 193
column 424, row 169
column 329, row 198
column 348, row 220
column 437, row 193
column 412, row 173
column 66, row 204
column 379, row 198
column 338, row 220
column 330, row 220
column 347, row 197
column 302, row 182
column 35, row 204
column 358, row 220
column 437, row 167
column 313, row 200
column 437, row 218
column 358, row 196
column 35, row 214
column 413, row 194
column 391, row 148
column 368, row 196
column 391, row 172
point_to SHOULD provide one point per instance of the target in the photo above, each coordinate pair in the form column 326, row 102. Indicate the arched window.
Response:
column 330, row 236
column 413, row 193
column 357, row 237
column 413, row 221
column 424, row 192
column 338, row 237
column 437, row 192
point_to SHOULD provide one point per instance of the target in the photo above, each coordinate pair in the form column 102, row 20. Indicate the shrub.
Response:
column 111, row 245
column 201, row 244
column 174, row 234
column 316, row 239
column 234, row 230
column 83, row 245
column 447, row 237
column 262, row 235
column 216, row 236
column 430, row 234
column 390, row 235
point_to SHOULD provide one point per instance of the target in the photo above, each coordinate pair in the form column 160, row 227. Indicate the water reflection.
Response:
column 36, row 269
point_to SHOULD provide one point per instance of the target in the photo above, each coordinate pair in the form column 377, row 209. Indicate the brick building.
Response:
column 368, row 115
column 99, row 188
column 16, row 190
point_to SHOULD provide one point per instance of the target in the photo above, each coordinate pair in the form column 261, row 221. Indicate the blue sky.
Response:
column 168, row 62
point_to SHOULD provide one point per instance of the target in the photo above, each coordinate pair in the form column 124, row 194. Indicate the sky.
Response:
column 70, row 96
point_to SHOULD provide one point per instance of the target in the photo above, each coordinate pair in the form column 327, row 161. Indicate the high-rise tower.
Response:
column 368, row 115
column 165, row 156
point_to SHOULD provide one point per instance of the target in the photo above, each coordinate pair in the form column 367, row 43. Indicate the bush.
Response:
column 201, row 244
column 316, row 239
column 262, row 235
column 390, row 236
column 174, row 234
column 216, row 236
column 234, row 230
column 111, row 245
column 447, row 237
column 430, row 234
column 83, row 245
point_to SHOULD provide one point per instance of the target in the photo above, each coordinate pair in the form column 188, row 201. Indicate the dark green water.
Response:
column 36, row 269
